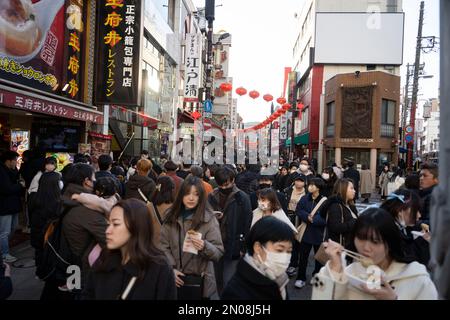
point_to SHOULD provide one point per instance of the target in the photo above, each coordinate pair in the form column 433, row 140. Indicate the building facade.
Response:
column 361, row 119
column 316, row 60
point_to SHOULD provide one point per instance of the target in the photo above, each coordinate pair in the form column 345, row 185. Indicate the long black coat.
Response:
column 353, row 174
column 158, row 282
column 249, row 284
column 236, row 221
column 10, row 191
column 425, row 196
column 340, row 220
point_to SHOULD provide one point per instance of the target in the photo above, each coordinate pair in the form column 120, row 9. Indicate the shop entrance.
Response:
column 358, row 156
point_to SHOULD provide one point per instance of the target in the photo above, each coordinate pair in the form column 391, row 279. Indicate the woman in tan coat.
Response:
column 366, row 183
column 190, row 237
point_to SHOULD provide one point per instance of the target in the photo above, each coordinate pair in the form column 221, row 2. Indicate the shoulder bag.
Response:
column 192, row 288
column 302, row 227
column 321, row 255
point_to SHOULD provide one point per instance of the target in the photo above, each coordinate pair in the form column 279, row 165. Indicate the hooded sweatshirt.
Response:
column 144, row 183
column 410, row 281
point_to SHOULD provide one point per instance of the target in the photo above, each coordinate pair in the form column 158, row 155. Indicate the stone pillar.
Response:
column 373, row 165
column 337, row 156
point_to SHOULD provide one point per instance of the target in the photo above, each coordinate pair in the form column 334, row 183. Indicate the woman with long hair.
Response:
column 164, row 196
column 47, row 204
column 404, row 206
column 340, row 212
column 330, row 179
column 132, row 267
column 382, row 271
column 191, row 238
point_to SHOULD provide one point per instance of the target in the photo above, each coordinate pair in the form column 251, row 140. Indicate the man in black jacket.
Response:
column 235, row 214
column 429, row 179
column 105, row 165
column 353, row 174
column 10, row 203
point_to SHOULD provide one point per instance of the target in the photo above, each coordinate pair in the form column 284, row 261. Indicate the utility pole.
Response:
column 415, row 87
column 405, row 105
column 440, row 213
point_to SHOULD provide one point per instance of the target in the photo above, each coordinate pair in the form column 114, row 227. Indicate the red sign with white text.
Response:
column 31, row 104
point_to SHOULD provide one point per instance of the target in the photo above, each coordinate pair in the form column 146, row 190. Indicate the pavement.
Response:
column 27, row 287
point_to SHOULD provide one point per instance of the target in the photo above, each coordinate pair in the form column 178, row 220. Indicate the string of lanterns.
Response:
column 241, row 91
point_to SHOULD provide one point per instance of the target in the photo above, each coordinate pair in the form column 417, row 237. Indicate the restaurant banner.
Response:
column 32, row 43
column 32, row 104
column 74, row 39
column 119, row 32
column 193, row 63
column 100, row 144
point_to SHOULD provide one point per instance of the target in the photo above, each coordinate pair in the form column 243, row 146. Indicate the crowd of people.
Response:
column 142, row 230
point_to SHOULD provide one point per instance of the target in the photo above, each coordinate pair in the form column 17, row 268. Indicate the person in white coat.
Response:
column 390, row 276
column 268, row 205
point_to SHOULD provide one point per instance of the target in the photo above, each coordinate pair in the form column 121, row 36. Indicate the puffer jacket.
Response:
column 136, row 182
column 172, row 239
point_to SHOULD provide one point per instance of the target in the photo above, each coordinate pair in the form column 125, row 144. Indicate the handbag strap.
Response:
column 317, row 207
column 151, row 206
column 127, row 290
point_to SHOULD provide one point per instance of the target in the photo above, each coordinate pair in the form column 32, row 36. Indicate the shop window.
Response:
column 388, row 118
column 331, row 118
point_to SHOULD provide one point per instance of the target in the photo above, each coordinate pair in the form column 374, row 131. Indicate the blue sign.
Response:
column 207, row 106
column 408, row 138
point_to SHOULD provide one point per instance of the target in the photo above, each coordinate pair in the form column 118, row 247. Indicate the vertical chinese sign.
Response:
column 119, row 30
column 192, row 72
column 74, row 49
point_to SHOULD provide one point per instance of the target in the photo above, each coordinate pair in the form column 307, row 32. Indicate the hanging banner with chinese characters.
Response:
column 74, row 39
column 32, row 43
column 119, row 30
column 192, row 71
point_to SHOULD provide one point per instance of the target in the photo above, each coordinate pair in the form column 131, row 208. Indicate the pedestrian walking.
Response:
column 261, row 273
column 374, row 236
column 330, row 179
column 353, row 174
column 308, row 210
column 294, row 194
column 383, row 181
column 197, row 171
column 367, row 183
column 429, row 179
column 140, row 182
column 170, row 167
column 164, row 196
column 191, row 241
column 340, row 212
column 131, row 267
column 266, row 181
column 234, row 212
column 11, row 191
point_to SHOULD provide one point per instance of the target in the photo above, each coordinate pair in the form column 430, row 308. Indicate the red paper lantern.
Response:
column 281, row 100
column 300, row 106
column 225, row 87
column 282, row 111
column 268, row 97
column 286, row 106
column 241, row 91
column 254, row 94
column 196, row 115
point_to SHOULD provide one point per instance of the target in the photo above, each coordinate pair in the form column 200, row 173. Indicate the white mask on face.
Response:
column 276, row 263
column 263, row 206
column 325, row 176
column 303, row 167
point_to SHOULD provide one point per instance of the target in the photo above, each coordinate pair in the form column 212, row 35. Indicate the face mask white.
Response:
column 303, row 167
column 263, row 206
column 325, row 176
column 276, row 263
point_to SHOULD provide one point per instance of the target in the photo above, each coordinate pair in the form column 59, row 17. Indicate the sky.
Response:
column 263, row 35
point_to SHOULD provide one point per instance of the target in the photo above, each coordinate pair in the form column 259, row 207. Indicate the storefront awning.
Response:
column 301, row 139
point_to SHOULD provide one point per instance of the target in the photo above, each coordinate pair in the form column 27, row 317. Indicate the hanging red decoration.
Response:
column 281, row 100
column 282, row 111
column 300, row 106
column 196, row 115
column 241, row 91
column 226, row 87
column 253, row 94
column 286, row 106
column 268, row 97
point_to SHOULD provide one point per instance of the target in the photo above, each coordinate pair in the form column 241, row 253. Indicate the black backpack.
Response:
column 56, row 254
